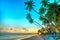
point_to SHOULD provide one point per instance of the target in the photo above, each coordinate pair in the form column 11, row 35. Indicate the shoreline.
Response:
column 32, row 37
column 25, row 37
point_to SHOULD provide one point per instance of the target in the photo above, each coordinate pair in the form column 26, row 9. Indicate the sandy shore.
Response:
column 25, row 37
column 42, row 37
column 34, row 38
column 31, row 37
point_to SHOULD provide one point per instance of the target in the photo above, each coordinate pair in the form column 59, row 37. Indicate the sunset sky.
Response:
column 13, row 14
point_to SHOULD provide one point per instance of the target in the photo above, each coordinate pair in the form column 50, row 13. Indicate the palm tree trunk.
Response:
column 38, row 24
column 35, row 11
column 41, row 15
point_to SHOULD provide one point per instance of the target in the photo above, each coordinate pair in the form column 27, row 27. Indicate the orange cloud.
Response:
column 18, row 31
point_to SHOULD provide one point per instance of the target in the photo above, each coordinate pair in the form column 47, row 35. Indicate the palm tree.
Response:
column 52, row 14
column 44, row 2
column 30, row 6
column 32, row 21
column 49, row 12
column 52, row 11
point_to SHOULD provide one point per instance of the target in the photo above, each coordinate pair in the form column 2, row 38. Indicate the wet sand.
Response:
column 34, row 38
column 42, row 37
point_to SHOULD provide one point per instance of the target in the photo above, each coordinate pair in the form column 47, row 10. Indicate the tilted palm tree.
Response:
column 52, row 13
column 30, row 6
column 52, row 10
column 32, row 21
column 49, row 12
column 44, row 2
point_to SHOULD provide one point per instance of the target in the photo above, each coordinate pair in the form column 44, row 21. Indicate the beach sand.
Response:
column 34, row 38
column 25, row 37
column 41, row 37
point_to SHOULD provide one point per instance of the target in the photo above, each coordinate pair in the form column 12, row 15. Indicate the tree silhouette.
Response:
column 49, row 12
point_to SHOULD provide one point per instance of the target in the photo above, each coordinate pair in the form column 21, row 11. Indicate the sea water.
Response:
column 7, row 36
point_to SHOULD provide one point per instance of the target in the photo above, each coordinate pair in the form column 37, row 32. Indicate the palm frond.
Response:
column 29, row 18
column 44, row 2
column 29, row 5
column 42, row 10
column 41, row 18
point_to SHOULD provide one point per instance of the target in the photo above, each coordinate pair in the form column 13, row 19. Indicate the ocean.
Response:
column 13, row 36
